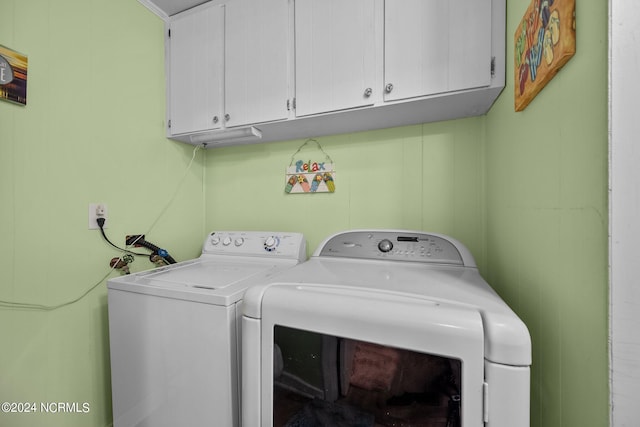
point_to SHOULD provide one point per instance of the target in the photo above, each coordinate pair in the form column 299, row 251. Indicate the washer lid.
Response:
column 206, row 279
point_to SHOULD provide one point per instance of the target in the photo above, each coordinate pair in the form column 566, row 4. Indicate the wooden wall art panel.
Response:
column 543, row 43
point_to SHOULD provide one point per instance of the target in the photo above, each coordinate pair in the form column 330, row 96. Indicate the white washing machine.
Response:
column 383, row 328
column 175, row 331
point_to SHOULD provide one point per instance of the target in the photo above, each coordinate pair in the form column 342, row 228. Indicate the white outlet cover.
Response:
column 93, row 209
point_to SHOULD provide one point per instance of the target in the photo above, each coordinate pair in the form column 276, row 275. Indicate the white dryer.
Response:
column 175, row 331
column 383, row 328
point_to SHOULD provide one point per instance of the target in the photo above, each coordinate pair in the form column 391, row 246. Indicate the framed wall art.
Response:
column 544, row 42
column 13, row 76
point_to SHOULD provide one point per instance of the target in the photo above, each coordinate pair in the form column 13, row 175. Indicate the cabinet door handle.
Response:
column 215, row 119
column 388, row 88
column 227, row 117
column 368, row 92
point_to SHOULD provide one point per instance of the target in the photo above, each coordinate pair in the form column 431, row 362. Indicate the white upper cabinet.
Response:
column 256, row 61
column 196, row 69
column 435, row 46
column 167, row 8
column 285, row 69
column 334, row 55
column 228, row 65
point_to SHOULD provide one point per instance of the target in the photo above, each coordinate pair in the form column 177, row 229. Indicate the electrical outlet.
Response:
column 97, row 210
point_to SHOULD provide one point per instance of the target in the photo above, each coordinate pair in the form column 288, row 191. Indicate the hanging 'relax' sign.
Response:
column 310, row 176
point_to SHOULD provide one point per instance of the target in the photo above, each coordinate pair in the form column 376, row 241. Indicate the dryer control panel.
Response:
column 267, row 244
column 397, row 245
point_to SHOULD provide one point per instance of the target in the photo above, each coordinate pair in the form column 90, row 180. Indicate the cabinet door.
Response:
column 195, row 70
column 334, row 55
column 435, row 46
column 256, row 61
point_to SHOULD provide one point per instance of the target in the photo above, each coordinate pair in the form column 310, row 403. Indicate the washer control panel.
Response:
column 256, row 243
column 396, row 246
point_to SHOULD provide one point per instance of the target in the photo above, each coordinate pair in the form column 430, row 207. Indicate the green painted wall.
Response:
column 547, row 221
column 424, row 177
column 525, row 191
column 93, row 131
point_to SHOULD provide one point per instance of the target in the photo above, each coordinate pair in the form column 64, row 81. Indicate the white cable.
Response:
column 175, row 193
column 29, row 306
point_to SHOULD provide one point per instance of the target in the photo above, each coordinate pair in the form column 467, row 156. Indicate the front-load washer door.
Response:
column 333, row 355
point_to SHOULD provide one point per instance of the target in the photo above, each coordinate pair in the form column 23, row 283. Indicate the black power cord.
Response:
column 140, row 241
column 156, row 250
column 100, row 222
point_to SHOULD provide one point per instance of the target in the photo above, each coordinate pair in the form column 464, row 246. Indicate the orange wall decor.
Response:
column 544, row 41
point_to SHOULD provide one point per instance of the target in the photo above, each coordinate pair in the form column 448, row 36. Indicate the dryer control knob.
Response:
column 385, row 245
column 239, row 241
column 226, row 241
column 271, row 243
column 215, row 240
